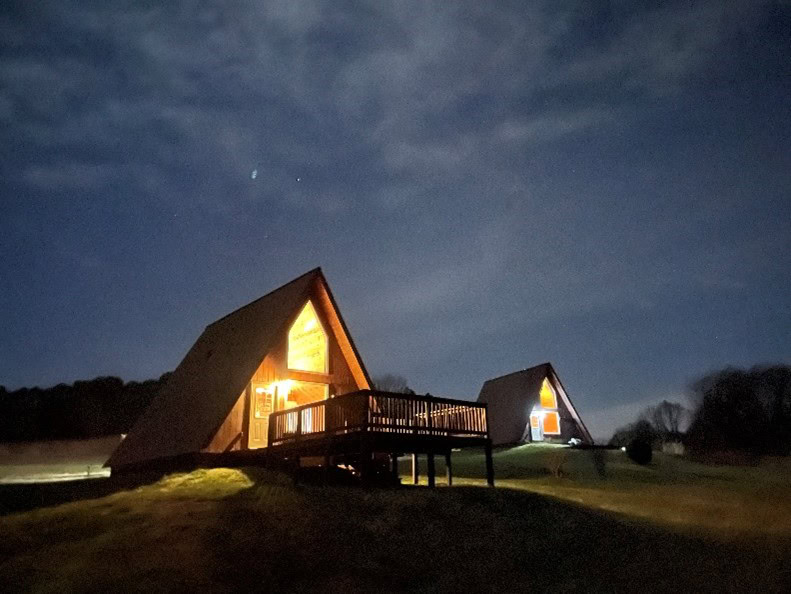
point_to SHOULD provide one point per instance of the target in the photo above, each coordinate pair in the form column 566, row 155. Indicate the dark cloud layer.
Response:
column 487, row 185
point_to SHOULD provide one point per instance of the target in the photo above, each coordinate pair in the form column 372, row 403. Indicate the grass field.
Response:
column 50, row 461
column 669, row 527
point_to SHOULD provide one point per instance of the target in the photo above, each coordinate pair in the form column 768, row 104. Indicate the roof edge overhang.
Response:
column 569, row 404
column 344, row 337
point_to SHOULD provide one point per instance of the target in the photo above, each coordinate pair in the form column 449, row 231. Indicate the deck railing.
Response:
column 379, row 412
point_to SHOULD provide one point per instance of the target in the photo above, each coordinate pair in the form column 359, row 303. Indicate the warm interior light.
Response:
column 307, row 342
column 551, row 423
column 292, row 393
column 547, row 396
column 283, row 388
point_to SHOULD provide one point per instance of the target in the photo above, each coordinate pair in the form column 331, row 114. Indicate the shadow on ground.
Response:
column 227, row 529
column 471, row 539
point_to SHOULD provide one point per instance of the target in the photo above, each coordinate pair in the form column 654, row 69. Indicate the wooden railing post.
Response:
column 429, row 421
column 271, row 429
column 299, row 422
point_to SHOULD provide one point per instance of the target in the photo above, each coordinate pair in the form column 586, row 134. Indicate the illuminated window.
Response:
column 534, row 421
column 307, row 342
column 548, row 398
column 551, row 423
column 262, row 402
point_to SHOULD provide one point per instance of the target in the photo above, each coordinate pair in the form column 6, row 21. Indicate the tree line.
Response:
column 732, row 409
column 93, row 408
column 102, row 406
column 740, row 410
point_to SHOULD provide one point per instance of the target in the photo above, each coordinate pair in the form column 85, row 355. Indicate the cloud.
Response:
column 69, row 176
column 216, row 89
column 550, row 126
column 657, row 51
column 470, row 161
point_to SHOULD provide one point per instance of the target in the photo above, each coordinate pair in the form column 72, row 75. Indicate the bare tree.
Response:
column 390, row 382
column 667, row 418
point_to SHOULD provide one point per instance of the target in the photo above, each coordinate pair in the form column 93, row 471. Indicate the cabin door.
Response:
column 536, row 428
column 261, row 406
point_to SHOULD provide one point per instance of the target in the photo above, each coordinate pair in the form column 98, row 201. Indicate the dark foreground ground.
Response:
column 227, row 530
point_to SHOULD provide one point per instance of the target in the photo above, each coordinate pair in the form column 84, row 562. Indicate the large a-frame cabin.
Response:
column 531, row 405
column 281, row 378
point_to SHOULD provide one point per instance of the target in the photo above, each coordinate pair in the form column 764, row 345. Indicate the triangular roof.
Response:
column 197, row 397
column 508, row 397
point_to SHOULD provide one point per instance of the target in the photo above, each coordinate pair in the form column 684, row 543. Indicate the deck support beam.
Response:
column 448, row 470
column 489, row 464
column 394, row 468
column 432, row 471
column 415, row 469
column 366, row 456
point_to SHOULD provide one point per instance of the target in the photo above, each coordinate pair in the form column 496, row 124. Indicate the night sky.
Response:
column 487, row 186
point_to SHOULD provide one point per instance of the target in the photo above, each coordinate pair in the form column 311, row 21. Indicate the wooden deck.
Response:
column 369, row 422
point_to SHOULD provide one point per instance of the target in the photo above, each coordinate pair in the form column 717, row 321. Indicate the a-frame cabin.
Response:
column 288, row 348
column 531, row 406
column 280, row 381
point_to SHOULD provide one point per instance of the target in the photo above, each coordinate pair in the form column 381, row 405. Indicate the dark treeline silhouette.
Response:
column 736, row 410
column 743, row 410
column 656, row 425
column 390, row 382
column 92, row 408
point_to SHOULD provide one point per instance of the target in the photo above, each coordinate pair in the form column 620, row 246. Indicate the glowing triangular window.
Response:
column 307, row 342
column 548, row 398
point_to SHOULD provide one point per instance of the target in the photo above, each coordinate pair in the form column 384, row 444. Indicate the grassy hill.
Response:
column 674, row 525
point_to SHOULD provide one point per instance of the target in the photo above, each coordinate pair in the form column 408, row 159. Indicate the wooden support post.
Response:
column 365, row 458
column 325, row 472
column 270, row 436
column 415, row 469
column 431, row 470
column 394, row 468
column 295, row 465
column 448, row 470
column 489, row 464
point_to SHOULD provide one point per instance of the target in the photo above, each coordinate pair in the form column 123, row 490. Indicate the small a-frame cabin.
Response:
column 531, row 406
column 281, row 379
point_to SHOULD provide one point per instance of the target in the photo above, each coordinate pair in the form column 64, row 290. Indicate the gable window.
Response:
column 551, row 423
column 307, row 342
column 548, row 397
